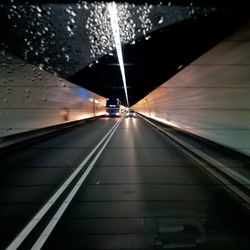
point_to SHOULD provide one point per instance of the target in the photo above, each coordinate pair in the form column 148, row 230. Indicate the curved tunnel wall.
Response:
column 211, row 96
column 33, row 98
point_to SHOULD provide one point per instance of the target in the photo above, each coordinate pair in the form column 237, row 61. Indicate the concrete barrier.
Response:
column 211, row 96
column 32, row 98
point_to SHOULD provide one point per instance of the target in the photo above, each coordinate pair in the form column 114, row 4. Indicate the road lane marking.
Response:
column 223, row 168
column 31, row 225
column 51, row 225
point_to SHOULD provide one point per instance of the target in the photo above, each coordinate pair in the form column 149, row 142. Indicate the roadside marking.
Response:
column 223, row 168
column 51, row 225
column 30, row 226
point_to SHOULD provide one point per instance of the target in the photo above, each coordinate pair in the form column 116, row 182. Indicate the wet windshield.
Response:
column 80, row 172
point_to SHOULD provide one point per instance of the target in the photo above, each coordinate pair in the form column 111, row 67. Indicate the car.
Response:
column 131, row 113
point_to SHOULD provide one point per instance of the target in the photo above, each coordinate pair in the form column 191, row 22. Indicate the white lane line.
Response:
column 47, row 231
column 226, row 170
column 30, row 226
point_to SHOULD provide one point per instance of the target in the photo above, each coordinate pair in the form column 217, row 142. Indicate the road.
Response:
column 142, row 192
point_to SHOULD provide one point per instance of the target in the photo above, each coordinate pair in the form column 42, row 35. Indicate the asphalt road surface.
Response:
column 142, row 192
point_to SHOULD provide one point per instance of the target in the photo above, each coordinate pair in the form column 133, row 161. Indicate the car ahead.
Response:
column 131, row 113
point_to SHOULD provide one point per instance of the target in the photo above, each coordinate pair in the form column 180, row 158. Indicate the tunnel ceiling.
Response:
column 74, row 39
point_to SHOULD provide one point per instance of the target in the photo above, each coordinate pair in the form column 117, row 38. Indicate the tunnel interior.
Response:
column 170, row 173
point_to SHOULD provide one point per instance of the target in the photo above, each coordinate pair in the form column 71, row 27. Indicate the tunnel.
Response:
column 125, row 125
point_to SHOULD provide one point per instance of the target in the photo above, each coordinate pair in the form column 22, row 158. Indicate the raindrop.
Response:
column 41, row 65
column 38, row 9
column 67, row 57
column 63, row 85
column 44, row 99
column 160, row 20
column 5, row 100
column 69, row 28
column 85, row 6
column 3, row 65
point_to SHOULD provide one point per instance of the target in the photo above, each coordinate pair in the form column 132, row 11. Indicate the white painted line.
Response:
column 30, row 226
column 47, row 231
column 226, row 170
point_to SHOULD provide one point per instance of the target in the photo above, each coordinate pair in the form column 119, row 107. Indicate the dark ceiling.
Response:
column 67, row 39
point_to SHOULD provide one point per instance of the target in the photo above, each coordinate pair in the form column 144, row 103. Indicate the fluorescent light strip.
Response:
column 115, row 28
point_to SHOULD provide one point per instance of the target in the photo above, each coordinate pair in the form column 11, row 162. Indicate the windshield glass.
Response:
column 78, row 171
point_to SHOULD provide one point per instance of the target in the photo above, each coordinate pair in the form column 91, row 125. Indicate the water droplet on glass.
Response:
column 41, row 65
column 69, row 28
column 160, row 20
column 38, row 9
column 4, row 65
column 44, row 99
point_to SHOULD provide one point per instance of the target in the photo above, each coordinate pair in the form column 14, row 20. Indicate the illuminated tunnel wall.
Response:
column 32, row 98
column 211, row 96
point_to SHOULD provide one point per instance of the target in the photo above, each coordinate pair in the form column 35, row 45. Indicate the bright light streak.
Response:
column 115, row 28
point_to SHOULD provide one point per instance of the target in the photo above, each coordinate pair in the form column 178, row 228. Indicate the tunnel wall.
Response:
column 32, row 98
column 211, row 96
